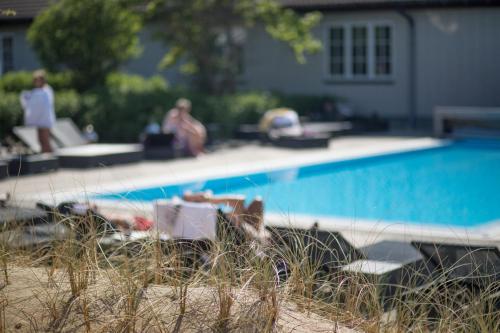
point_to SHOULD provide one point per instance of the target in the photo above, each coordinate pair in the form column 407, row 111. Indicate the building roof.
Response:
column 23, row 9
column 373, row 4
column 27, row 9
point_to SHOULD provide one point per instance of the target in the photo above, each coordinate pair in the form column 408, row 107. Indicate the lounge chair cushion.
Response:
column 93, row 155
column 67, row 133
column 29, row 136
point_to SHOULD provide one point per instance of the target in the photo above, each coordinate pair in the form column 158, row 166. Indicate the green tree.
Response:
column 89, row 37
column 205, row 36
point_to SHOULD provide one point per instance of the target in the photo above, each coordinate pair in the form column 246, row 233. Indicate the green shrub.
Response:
column 249, row 107
column 16, row 81
column 68, row 104
column 121, row 109
column 229, row 111
column 130, row 83
column 61, row 80
column 23, row 80
column 11, row 113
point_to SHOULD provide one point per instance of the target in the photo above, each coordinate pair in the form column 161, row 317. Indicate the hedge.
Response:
column 123, row 106
column 22, row 80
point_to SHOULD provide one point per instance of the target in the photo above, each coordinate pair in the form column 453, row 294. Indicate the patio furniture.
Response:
column 14, row 216
column 4, row 169
column 159, row 146
column 26, row 164
column 331, row 128
column 77, row 215
column 331, row 248
column 302, row 142
column 328, row 251
column 247, row 132
column 395, row 267
column 74, row 152
column 470, row 272
column 32, row 164
column 34, row 237
column 476, row 267
column 282, row 127
column 29, row 136
column 94, row 155
column 67, row 134
column 467, row 121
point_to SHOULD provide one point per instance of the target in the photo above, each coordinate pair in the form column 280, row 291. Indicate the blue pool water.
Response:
column 456, row 185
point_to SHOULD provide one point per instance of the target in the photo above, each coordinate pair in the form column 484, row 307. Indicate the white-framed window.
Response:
column 359, row 51
column 6, row 54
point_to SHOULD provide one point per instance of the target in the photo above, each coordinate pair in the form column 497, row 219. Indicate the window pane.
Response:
column 337, row 51
column 383, row 57
column 359, row 50
column 7, row 54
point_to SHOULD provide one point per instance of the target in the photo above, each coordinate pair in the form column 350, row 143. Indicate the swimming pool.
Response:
column 452, row 185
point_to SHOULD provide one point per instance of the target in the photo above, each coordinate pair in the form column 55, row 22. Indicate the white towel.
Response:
column 187, row 220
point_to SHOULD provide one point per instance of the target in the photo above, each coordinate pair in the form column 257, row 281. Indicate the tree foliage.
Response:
column 205, row 36
column 89, row 37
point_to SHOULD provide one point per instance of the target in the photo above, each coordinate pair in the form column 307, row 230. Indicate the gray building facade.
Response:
column 389, row 61
column 398, row 59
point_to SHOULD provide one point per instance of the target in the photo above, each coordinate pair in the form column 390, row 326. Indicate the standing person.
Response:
column 38, row 106
column 190, row 134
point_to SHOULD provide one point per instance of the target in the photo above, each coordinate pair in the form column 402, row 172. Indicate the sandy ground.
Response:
column 36, row 299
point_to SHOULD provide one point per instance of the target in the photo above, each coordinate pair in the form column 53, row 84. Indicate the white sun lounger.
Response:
column 74, row 151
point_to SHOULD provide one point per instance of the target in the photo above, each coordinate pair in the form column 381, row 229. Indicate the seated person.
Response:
column 281, row 122
column 104, row 223
column 253, row 214
column 190, row 134
column 247, row 220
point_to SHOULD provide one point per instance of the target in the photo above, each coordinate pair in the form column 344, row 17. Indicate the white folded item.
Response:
column 186, row 220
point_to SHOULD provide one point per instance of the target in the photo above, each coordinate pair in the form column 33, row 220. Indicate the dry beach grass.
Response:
column 80, row 285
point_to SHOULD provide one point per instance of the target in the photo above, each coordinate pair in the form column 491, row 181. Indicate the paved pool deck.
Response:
column 70, row 183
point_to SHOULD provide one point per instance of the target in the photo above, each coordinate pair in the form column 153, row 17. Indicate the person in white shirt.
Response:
column 38, row 106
